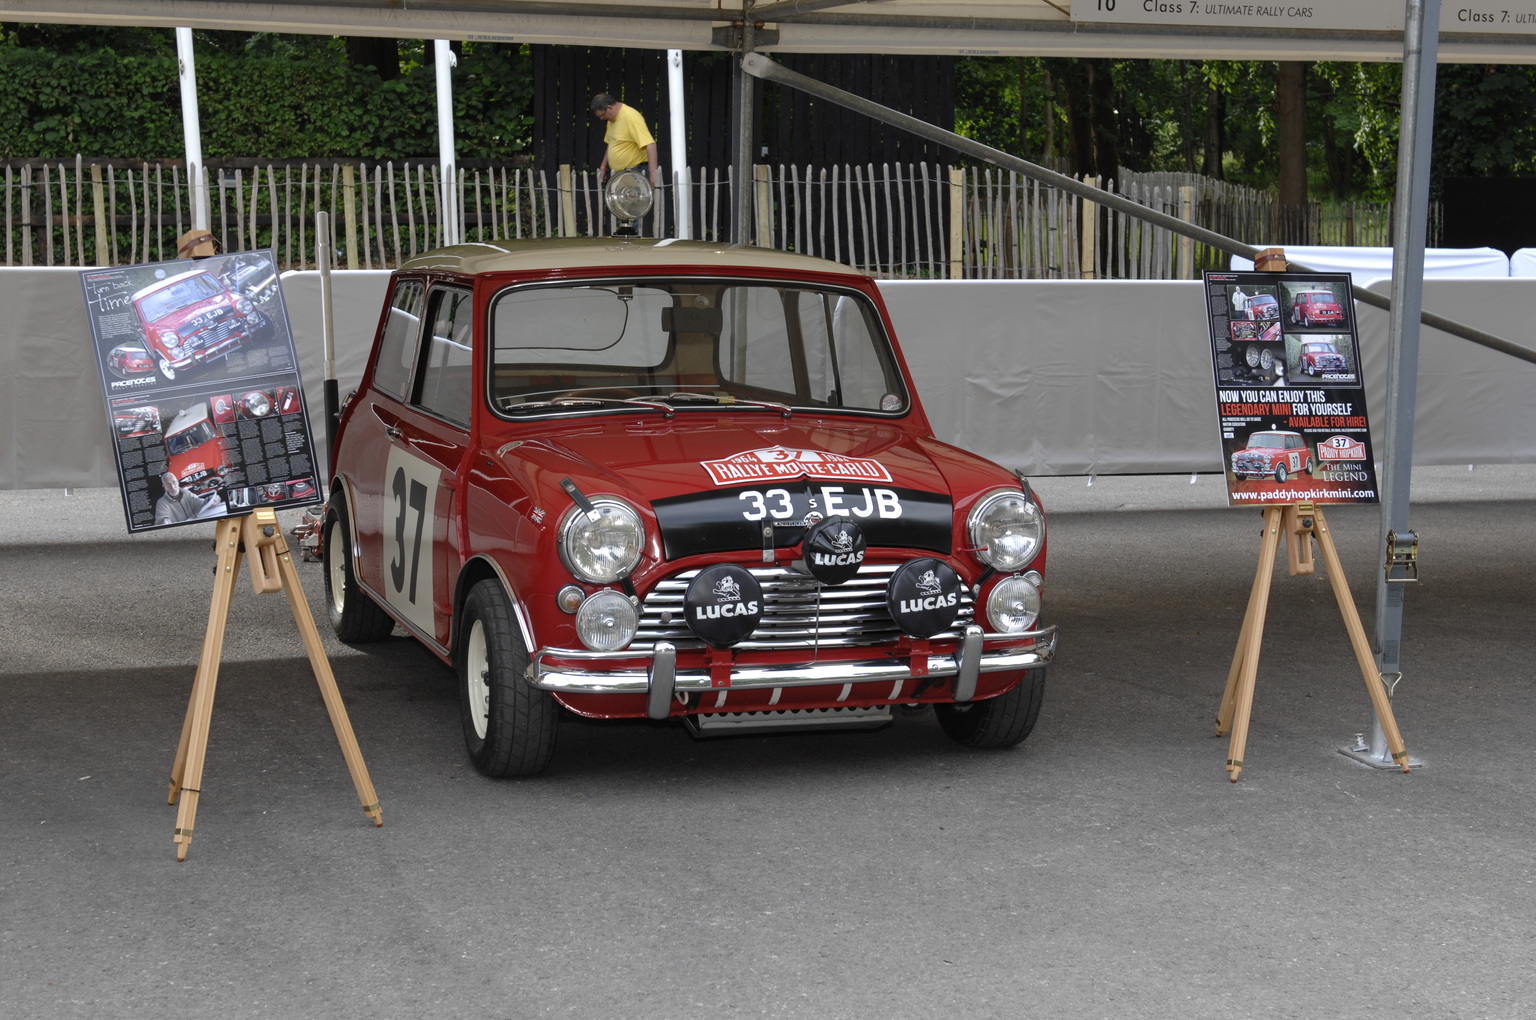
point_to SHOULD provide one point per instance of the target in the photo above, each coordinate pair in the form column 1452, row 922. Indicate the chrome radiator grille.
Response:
column 215, row 333
column 798, row 612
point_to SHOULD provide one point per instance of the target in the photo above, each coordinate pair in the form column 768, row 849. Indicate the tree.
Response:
column 1291, row 123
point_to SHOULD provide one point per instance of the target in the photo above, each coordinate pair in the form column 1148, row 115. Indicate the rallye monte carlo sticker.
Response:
column 776, row 462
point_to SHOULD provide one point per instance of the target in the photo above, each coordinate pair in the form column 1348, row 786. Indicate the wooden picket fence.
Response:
column 919, row 220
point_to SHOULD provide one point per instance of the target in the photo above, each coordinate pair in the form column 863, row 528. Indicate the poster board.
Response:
column 1290, row 390
column 201, row 383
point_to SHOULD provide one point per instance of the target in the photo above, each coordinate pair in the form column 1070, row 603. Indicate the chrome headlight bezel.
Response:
column 607, row 621
column 605, row 550
column 1007, row 530
column 1013, row 605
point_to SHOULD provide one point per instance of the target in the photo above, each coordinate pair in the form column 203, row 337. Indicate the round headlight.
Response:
column 1014, row 605
column 629, row 195
column 606, row 549
column 606, row 621
column 1006, row 530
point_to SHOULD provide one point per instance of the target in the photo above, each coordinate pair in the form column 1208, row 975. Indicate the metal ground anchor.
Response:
column 1375, row 754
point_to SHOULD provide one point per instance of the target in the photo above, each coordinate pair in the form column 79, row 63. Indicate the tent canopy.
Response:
column 1187, row 29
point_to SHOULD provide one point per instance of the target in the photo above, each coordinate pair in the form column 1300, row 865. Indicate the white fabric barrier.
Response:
column 1523, row 262
column 1473, row 405
column 1064, row 377
column 1376, row 263
column 1051, row 377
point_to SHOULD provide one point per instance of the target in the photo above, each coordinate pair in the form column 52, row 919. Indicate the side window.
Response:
column 397, row 347
column 447, row 388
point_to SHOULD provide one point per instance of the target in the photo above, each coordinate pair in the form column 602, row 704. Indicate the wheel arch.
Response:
column 483, row 568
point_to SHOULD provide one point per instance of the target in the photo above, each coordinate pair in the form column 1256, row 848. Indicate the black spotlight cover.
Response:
column 924, row 596
column 723, row 605
column 834, row 550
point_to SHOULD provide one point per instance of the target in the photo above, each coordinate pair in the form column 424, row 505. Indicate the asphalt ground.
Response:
column 1105, row 868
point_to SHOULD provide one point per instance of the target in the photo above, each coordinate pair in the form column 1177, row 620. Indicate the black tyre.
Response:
column 1002, row 721
column 1281, row 474
column 509, row 725
column 355, row 617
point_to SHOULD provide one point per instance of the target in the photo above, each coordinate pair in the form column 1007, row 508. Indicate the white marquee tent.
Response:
column 1474, row 30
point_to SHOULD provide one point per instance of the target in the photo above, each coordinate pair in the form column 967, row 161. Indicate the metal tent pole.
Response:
column 1398, row 545
column 760, row 66
column 449, row 210
column 191, row 129
column 741, row 187
column 682, row 200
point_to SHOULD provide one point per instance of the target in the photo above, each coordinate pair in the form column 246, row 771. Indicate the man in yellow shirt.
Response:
column 629, row 141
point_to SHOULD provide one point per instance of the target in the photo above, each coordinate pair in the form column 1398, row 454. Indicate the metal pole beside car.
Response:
column 323, row 245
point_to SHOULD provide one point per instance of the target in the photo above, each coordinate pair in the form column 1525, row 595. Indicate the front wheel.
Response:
column 1281, row 474
column 355, row 617
column 509, row 725
column 1002, row 721
column 167, row 370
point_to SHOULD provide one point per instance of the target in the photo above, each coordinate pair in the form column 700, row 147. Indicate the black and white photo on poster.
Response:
column 1289, row 391
column 201, row 383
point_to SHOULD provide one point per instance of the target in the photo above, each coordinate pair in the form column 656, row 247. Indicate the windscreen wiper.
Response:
column 726, row 400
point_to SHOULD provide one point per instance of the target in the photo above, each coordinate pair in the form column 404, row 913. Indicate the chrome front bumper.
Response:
column 662, row 679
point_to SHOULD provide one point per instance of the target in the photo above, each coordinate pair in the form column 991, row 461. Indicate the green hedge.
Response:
column 53, row 106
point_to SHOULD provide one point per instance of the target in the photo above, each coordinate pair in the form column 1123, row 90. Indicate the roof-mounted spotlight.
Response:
column 629, row 197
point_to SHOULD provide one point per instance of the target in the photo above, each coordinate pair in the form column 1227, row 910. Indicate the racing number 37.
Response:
column 409, row 501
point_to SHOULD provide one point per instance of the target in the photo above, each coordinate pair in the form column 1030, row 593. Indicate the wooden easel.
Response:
column 271, row 568
column 1302, row 522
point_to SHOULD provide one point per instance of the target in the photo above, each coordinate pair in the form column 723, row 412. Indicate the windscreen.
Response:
column 189, row 291
column 799, row 345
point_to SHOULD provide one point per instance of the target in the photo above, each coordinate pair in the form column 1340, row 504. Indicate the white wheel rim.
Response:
column 336, row 542
column 477, row 670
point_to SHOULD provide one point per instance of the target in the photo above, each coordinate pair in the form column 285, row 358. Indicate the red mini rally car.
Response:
column 190, row 320
column 1319, row 356
column 1316, row 308
column 631, row 478
column 1276, row 453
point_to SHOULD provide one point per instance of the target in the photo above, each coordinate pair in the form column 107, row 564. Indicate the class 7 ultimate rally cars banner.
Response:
column 202, row 389
column 1290, row 392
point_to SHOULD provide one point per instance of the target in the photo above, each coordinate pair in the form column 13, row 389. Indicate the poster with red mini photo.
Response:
column 1290, row 394
column 201, row 383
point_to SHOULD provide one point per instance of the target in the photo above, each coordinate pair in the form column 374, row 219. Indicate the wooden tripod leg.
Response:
column 1246, row 663
column 1373, row 684
column 1257, row 600
column 191, row 750
column 327, row 681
